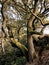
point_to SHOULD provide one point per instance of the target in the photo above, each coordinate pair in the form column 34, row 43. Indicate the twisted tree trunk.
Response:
column 31, row 50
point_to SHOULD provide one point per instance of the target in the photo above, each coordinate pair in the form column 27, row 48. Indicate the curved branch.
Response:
column 18, row 44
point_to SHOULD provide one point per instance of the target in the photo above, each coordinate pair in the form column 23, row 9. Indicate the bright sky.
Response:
column 12, row 13
column 46, row 30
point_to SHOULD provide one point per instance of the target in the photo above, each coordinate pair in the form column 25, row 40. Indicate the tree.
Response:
column 30, row 12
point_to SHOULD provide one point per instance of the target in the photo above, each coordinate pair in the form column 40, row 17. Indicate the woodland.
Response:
column 24, row 32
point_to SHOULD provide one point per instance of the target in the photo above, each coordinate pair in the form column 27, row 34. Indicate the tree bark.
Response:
column 31, row 49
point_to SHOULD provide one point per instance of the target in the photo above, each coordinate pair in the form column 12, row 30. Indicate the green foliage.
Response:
column 13, row 58
column 20, row 61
